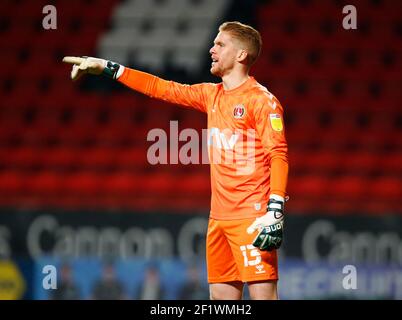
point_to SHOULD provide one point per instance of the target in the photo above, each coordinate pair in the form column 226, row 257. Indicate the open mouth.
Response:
column 214, row 61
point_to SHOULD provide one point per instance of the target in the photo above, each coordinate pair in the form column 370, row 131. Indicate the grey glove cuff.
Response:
column 112, row 70
column 276, row 206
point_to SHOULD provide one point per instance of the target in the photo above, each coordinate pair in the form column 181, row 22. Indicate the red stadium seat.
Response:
column 122, row 185
column 391, row 162
column 194, row 185
column 159, row 184
column 12, row 183
column 360, row 162
column 61, row 157
column 132, row 158
column 44, row 184
column 22, row 158
column 83, row 184
column 322, row 161
column 308, row 193
column 348, row 188
column 97, row 158
column 386, row 187
column 312, row 187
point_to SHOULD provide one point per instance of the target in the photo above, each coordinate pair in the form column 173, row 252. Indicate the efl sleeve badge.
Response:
column 276, row 121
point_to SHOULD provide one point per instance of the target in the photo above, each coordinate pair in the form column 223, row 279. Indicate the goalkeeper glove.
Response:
column 270, row 225
column 96, row 66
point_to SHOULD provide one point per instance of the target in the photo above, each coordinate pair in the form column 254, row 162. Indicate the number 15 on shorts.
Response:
column 252, row 252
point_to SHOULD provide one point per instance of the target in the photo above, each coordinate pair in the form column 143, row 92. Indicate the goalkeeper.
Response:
column 245, row 123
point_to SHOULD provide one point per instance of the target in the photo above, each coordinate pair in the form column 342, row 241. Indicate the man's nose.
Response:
column 212, row 50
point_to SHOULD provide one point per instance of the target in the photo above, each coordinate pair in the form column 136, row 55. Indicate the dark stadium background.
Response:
column 77, row 192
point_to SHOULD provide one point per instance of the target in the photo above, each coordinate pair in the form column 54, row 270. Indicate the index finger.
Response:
column 73, row 60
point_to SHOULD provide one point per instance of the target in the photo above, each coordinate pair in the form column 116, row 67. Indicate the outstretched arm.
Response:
column 194, row 96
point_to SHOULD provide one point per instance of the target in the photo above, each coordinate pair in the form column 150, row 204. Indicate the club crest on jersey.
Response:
column 239, row 111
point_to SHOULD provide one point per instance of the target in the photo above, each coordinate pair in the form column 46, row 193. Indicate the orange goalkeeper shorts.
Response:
column 232, row 257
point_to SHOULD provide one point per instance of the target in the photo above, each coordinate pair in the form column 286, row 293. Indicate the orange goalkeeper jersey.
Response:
column 246, row 140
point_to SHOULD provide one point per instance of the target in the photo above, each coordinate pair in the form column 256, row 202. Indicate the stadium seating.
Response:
column 78, row 145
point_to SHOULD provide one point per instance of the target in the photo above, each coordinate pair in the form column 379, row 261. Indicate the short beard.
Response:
column 215, row 73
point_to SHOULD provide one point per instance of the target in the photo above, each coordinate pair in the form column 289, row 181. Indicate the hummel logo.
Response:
column 260, row 268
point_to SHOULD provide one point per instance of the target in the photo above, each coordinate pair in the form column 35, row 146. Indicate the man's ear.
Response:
column 242, row 56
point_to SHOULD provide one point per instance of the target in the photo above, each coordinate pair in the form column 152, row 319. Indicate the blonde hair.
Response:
column 247, row 35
